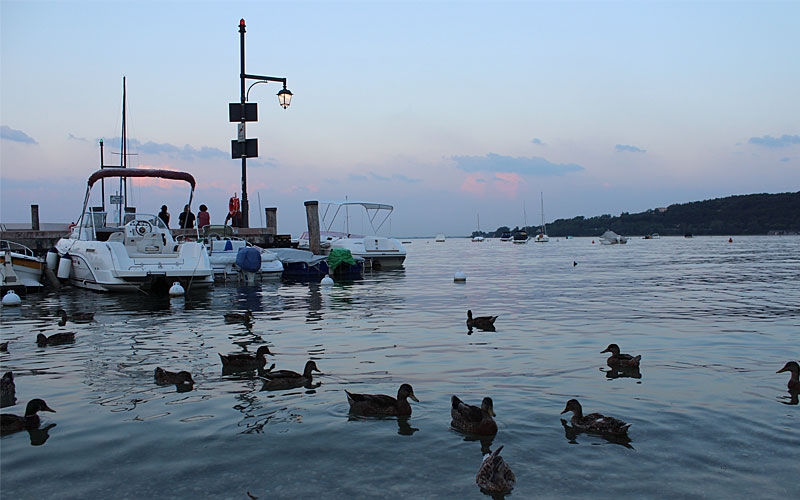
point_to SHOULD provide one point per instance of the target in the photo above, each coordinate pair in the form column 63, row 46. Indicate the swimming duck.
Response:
column 245, row 361
column 4, row 347
column 55, row 339
column 239, row 317
column 594, row 422
column 382, row 405
column 617, row 360
column 78, row 317
column 494, row 475
column 8, row 391
column 14, row 423
column 794, row 380
column 165, row 377
column 473, row 419
column 481, row 322
column 287, row 379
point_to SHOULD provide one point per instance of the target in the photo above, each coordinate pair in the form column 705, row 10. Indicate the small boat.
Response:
column 653, row 236
column 20, row 267
column 440, row 238
column 612, row 238
column 520, row 236
column 542, row 237
column 381, row 252
column 477, row 238
column 224, row 251
column 505, row 236
column 302, row 265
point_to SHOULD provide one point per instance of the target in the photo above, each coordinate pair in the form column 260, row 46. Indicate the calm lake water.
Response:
column 712, row 320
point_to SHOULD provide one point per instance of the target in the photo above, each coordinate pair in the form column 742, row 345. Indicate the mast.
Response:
column 123, row 162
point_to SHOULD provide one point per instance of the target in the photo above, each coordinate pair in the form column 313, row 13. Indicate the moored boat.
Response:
column 134, row 253
column 20, row 267
column 612, row 238
column 304, row 266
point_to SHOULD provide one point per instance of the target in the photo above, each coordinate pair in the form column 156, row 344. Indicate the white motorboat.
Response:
column 137, row 252
column 379, row 252
column 223, row 253
column 612, row 238
column 20, row 267
column 440, row 238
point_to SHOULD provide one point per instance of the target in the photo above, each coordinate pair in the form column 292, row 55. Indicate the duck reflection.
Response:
column 40, row 435
column 486, row 441
column 792, row 399
column 404, row 427
column 619, row 372
column 571, row 433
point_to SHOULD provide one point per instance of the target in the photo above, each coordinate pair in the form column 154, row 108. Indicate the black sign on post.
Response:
column 250, row 111
column 247, row 149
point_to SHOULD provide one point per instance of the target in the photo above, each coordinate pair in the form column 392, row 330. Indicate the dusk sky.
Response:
column 446, row 110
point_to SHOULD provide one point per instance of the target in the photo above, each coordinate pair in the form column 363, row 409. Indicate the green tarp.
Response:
column 339, row 256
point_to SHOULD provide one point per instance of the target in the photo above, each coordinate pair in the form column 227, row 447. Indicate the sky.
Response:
column 456, row 113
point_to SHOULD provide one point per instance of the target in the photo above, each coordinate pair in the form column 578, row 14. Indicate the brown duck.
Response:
column 55, row 339
column 794, row 380
column 78, row 317
column 239, row 317
column 494, row 475
column 481, row 322
column 473, row 419
column 381, row 404
column 13, row 423
column 594, row 422
column 618, row 360
column 245, row 361
column 8, row 391
column 287, row 379
column 166, row 377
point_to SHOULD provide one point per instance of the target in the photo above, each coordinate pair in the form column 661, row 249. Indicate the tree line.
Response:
column 752, row 214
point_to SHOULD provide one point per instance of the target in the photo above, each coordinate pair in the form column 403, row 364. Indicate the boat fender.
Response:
column 64, row 266
column 52, row 259
column 176, row 290
column 248, row 259
column 327, row 280
column 11, row 299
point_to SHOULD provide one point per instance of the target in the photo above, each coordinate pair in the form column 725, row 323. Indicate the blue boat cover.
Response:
column 248, row 259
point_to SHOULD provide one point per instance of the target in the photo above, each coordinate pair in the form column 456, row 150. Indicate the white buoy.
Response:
column 11, row 299
column 176, row 290
column 327, row 280
column 460, row 276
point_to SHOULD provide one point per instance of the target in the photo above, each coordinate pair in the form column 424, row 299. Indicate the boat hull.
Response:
column 19, row 269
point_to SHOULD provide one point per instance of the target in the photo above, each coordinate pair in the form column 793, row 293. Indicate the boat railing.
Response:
column 15, row 247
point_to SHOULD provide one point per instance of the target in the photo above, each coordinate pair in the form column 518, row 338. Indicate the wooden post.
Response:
column 35, row 217
column 312, row 217
column 272, row 220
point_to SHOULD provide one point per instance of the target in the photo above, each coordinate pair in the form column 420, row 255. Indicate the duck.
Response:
column 55, row 339
column 287, row 379
column 78, row 317
column 481, row 322
column 494, row 474
column 239, row 317
column 473, row 419
column 14, row 423
column 617, row 360
column 245, row 361
column 794, row 380
column 4, row 346
column 8, row 391
column 382, row 405
column 594, row 422
column 165, row 377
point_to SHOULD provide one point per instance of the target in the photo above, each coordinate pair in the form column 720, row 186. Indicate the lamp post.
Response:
column 241, row 112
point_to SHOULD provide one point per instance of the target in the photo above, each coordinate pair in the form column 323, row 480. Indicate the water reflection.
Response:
column 40, row 435
column 792, row 399
column 404, row 427
column 623, row 372
column 571, row 433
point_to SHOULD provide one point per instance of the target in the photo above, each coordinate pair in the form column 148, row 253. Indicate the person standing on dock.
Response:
column 234, row 212
column 164, row 215
column 186, row 218
column 203, row 217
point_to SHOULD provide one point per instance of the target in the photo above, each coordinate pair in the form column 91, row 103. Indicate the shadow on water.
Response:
column 622, row 373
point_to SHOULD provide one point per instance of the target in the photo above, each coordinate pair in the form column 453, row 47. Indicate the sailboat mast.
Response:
column 123, row 162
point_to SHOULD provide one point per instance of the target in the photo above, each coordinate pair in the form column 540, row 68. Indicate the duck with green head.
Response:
column 13, row 423
column 381, row 404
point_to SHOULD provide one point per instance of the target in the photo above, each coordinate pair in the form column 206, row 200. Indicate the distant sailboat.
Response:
column 478, row 237
column 521, row 235
column 542, row 236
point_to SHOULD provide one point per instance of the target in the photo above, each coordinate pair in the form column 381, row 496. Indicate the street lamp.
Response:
column 241, row 112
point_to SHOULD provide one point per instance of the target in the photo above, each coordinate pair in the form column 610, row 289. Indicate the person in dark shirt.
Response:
column 164, row 215
column 186, row 219
column 203, row 217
